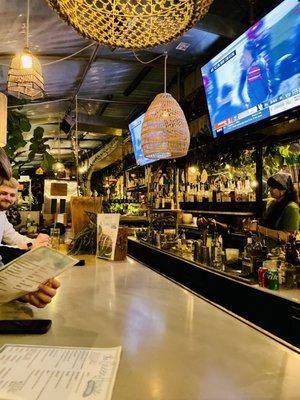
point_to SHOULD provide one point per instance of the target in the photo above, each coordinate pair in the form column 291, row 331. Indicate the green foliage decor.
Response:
column 17, row 124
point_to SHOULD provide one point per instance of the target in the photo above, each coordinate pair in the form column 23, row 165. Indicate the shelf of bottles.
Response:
column 162, row 189
column 218, row 191
column 135, row 190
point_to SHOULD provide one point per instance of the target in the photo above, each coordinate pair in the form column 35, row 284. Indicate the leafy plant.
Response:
column 290, row 157
column 85, row 241
column 37, row 145
column 17, row 123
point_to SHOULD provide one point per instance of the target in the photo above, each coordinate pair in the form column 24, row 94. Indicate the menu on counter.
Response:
column 60, row 373
column 27, row 272
column 107, row 234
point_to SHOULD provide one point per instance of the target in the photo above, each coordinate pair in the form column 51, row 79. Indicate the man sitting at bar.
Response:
column 47, row 291
column 8, row 235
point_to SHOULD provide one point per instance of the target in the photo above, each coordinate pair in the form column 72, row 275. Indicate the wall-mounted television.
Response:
column 258, row 76
column 135, row 128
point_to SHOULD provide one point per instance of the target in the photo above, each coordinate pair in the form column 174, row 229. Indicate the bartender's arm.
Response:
column 271, row 233
column 204, row 222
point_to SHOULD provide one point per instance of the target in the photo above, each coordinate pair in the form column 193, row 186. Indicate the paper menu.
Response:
column 25, row 273
column 60, row 373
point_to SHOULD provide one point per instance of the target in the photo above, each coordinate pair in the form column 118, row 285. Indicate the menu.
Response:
column 60, row 373
column 27, row 272
column 107, row 234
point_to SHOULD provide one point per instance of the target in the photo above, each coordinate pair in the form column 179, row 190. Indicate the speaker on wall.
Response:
column 53, row 206
column 62, row 206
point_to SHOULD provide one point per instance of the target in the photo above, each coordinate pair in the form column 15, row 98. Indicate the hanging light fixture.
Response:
column 25, row 78
column 132, row 24
column 3, row 120
column 165, row 131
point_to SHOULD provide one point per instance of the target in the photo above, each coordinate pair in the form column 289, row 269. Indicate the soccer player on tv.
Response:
column 255, row 75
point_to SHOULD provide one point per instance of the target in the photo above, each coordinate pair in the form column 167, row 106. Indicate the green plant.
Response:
column 290, row 157
column 85, row 241
column 17, row 124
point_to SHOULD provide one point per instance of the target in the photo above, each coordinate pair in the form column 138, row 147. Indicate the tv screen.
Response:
column 135, row 128
column 258, row 75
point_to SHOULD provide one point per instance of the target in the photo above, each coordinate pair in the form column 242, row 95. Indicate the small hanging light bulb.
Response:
column 26, row 61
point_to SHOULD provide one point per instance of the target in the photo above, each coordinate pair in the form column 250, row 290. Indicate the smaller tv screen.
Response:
column 258, row 75
column 135, row 128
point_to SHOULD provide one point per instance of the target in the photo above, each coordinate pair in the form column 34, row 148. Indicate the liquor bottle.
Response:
column 218, row 195
column 258, row 256
column 247, row 264
column 292, row 255
column 214, row 193
column 28, row 221
column 218, row 248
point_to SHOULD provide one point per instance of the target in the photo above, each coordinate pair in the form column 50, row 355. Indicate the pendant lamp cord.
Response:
column 165, row 55
column 76, row 143
column 165, row 72
column 27, row 25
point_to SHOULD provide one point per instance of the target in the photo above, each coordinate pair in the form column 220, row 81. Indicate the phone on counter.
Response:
column 24, row 326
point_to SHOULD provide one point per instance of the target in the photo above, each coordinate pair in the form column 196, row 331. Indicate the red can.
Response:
column 262, row 277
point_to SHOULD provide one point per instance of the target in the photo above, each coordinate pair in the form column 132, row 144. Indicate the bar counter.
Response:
column 276, row 311
column 175, row 346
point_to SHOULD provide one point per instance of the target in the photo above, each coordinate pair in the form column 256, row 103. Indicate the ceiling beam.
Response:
column 102, row 107
column 222, row 26
column 137, row 80
column 83, row 76
column 94, row 123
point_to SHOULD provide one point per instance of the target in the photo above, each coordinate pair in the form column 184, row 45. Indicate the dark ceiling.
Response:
column 111, row 85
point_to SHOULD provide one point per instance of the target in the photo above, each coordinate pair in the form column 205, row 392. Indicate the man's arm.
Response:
column 12, row 238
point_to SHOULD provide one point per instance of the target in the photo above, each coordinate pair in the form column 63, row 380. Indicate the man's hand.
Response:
column 43, row 295
column 41, row 240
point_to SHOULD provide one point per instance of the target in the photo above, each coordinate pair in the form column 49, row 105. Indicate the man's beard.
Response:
column 4, row 205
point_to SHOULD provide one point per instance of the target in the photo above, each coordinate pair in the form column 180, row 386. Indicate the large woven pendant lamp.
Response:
column 3, row 120
column 165, row 131
column 25, row 78
column 132, row 24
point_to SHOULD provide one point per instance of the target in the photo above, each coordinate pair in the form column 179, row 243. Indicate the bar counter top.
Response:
column 175, row 345
column 288, row 294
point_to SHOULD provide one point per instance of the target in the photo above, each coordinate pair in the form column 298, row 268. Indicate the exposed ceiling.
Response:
column 111, row 85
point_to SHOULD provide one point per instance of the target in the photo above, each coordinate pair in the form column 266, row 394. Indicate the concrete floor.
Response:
column 175, row 346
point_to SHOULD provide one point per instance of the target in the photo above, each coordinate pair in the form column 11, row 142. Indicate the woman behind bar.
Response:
column 282, row 212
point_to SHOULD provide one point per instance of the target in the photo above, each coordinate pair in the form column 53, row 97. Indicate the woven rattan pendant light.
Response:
column 3, row 120
column 165, row 132
column 132, row 24
column 25, row 78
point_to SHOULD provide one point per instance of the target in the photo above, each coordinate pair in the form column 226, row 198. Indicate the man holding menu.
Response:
column 47, row 291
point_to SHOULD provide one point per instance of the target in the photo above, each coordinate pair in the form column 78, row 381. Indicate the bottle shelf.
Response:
column 215, row 212
column 226, row 208
column 165, row 210
column 136, row 188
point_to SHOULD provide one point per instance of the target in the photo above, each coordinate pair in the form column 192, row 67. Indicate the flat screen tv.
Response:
column 135, row 128
column 258, row 76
